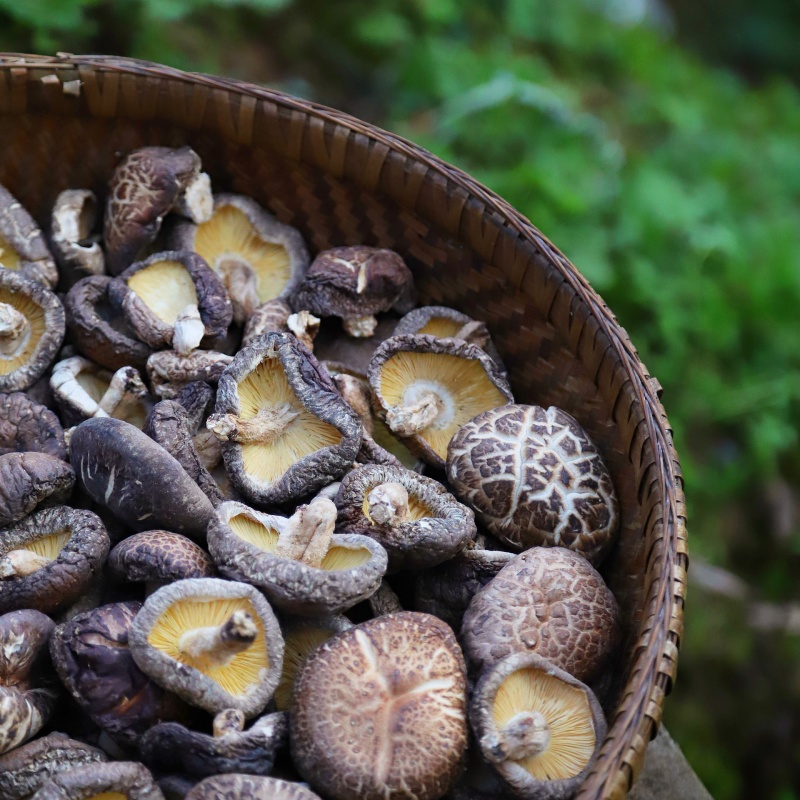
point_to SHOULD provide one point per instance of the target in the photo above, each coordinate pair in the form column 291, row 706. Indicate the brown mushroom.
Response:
column 29, row 479
column 428, row 388
column 276, row 315
column 284, row 428
column 27, row 426
column 299, row 563
column 214, row 643
column 535, row 478
column 50, row 558
column 355, row 283
column 257, row 257
column 412, row 516
column 115, row 780
column 539, row 727
column 170, row 372
column 549, row 601
column 249, row 787
column 78, row 253
column 379, row 711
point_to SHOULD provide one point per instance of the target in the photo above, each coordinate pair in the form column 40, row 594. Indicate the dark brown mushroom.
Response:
column 115, row 780
column 249, row 787
column 77, row 251
column 170, row 372
column 276, row 315
column 27, row 426
column 29, row 479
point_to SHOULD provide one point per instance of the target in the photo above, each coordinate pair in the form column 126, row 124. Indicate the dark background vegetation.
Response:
column 658, row 144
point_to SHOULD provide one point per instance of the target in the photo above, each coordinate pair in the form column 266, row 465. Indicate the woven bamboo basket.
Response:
column 65, row 122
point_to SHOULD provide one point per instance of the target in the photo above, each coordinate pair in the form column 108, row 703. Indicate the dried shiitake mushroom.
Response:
column 355, row 283
column 27, row 426
column 549, row 601
column 539, row 727
column 535, row 478
column 170, row 372
column 29, row 479
column 214, row 643
column 284, row 428
column 299, row 563
column 257, row 257
column 428, row 388
column 115, row 780
column 78, row 253
column 379, row 711
column 249, row 787
column 275, row 315
column 413, row 517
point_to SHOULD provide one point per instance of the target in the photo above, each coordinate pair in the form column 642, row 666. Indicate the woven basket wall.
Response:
column 66, row 122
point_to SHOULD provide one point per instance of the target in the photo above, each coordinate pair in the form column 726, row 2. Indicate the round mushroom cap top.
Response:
column 159, row 556
column 113, row 780
column 549, row 601
column 249, row 787
column 28, row 479
column 27, row 426
column 379, row 711
column 535, row 478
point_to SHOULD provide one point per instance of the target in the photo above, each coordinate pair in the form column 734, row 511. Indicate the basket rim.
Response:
column 657, row 648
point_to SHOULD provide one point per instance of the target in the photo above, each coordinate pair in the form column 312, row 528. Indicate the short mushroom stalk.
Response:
column 220, row 643
column 14, row 330
column 356, row 394
column 21, row 563
column 406, row 420
column 309, row 533
column 196, row 200
column 360, row 327
column 241, row 282
column 229, row 721
column 305, row 326
column 388, row 504
column 188, row 330
column 124, row 392
column 525, row 735
column 266, row 426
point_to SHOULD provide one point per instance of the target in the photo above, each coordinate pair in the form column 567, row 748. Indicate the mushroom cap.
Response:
column 197, row 399
column 98, row 332
column 245, row 680
column 437, row 528
column 44, row 314
column 114, row 780
column 169, row 372
column 91, row 656
column 524, row 683
column 73, row 540
column 77, row 252
column 464, row 380
column 270, row 316
column 119, row 465
column 27, row 426
column 549, row 601
column 535, row 479
column 171, row 746
column 277, row 375
column 249, row 787
column 379, row 711
column 159, row 556
column 242, row 542
column 28, row 479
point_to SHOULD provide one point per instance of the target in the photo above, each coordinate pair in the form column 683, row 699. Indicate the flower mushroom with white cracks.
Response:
column 549, row 601
column 298, row 563
column 22, row 246
column 379, row 711
column 28, row 691
column 169, row 372
column 216, row 644
column 119, row 466
column 354, row 284
column 115, row 780
column 146, row 185
column 77, row 251
column 172, row 299
column 428, row 388
column 257, row 257
column 535, row 478
column 91, row 656
column 170, row 746
column 28, row 427
column 31, row 331
column 249, row 787
column 29, row 479
column 285, row 430
column 415, row 519
column 539, row 727
column 49, row 559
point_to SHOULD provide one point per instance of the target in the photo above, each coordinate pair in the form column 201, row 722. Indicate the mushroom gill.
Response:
column 299, row 644
column 94, row 383
column 166, row 287
column 39, row 552
column 414, row 511
column 441, row 327
column 9, row 257
column 18, row 341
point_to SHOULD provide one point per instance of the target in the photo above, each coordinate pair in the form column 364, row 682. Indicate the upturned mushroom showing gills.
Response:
column 28, row 479
column 78, row 252
column 214, row 643
column 116, row 780
column 299, row 563
column 379, row 711
column 257, row 257
column 539, row 727
column 428, row 388
column 27, row 426
column 415, row 519
column 535, row 478
column 249, row 787
column 285, row 430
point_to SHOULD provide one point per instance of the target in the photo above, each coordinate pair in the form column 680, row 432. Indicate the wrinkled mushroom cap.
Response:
column 159, row 556
column 115, row 780
column 27, row 426
column 28, row 479
column 170, row 372
column 249, row 787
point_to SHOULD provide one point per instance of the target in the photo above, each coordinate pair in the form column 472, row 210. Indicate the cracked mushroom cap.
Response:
column 115, row 780
column 77, row 251
column 170, row 372
column 539, row 727
column 146, row 185
column 415, row 519
column 28, row 691
column 549, row 601
column 285, row 430
column 249, row 787
column 230, row 748
column 299, row 563
column 29, row 479
column 172, row 299
column 49, row 559
column 118, row 465
column 379, row 711
column 27, row 426
column 214, row 643
column 428, row 388
column 31, row 331
column 22, row 246
column 535, row 479
column 257, row 257
column 91, row 656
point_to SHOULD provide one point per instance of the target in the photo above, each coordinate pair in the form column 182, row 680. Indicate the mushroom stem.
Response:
column 196, row 201
column 309, row 532
column 388, row 504
column 21, row 563
column 406, row 420
column 266, row 426
column 14, row 330
column 207, row 446
column 355, row 393
column 305, row 326
column 241, row 282
column 360, row 327
column 188, row 330
column 124, row 392
column 525, row 735
column 231, row 720
column 220, row 643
